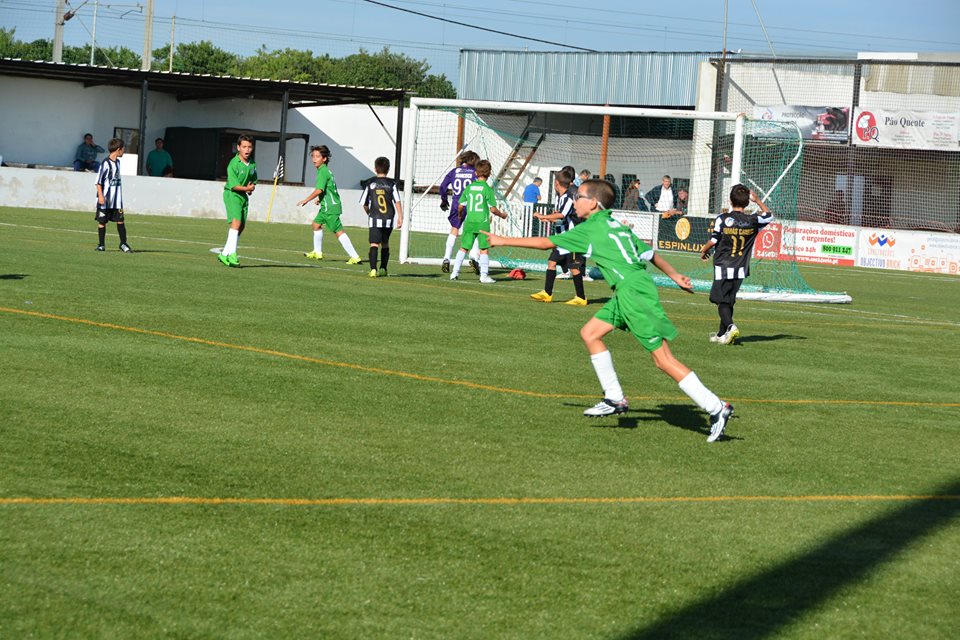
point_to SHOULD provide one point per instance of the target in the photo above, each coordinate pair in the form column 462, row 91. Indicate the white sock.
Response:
column 603, row 365
column 484, row 264
column 475, row 250
column 233, row 237
column 458, row 262
column 705, row 399
column 318, row 241
column 347, row 245
column 451, row 240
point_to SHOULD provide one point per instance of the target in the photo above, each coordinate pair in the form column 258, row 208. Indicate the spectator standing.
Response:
column 85, row 159
column 662, row 197
column 159, row 160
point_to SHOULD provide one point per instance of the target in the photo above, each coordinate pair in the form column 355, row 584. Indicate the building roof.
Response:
column 187, row 86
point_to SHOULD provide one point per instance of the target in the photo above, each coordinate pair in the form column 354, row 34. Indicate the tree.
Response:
column 288, row 64
column 200, row 58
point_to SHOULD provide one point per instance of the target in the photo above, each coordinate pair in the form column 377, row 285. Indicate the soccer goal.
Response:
column 704, row 153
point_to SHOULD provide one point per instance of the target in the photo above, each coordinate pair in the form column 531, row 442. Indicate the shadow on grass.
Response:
column 764, row 605
column 13, row 276
column 779, row 336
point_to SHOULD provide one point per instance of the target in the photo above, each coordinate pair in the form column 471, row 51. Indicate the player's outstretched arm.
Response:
column 527, row 243
column 315, row 194
column 706, row 248
column 682, row 280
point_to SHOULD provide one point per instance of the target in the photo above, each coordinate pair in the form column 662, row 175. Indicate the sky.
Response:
column 341, row 27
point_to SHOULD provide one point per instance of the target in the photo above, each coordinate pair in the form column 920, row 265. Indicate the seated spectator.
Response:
column 85, row 158
column 159, row 160
column 583, row 176
column 679, row 207
column 663, row 196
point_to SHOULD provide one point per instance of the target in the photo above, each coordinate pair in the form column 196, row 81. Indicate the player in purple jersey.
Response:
column 456, row 180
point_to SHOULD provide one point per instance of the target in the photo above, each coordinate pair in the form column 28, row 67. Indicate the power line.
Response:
column 471, row 26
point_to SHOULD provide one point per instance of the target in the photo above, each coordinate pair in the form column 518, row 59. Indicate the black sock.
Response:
column 578, row 285
column 548, row 284
column 122, row 231
column 384, row 256
column 102, row 234
column 726, row 317
column 373, row 257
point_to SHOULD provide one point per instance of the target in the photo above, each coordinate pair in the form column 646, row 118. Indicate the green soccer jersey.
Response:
column 478, row 199
column 326, row 183
column 240, row 174
column 620, row 254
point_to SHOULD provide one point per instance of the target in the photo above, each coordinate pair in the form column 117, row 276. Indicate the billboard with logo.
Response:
column 909, row 251
column 831, row 124
column 683, row 234
column 904, row 129
column 814, row 243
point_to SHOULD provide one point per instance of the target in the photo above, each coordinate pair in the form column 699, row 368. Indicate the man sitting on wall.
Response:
column 85, row 159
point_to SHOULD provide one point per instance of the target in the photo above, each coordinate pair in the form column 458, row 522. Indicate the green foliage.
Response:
column 381, row 69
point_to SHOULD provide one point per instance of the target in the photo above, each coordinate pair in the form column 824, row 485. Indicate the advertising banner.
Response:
column 909, row 251
column 904, row 129
column 814, row 243
column 831, row 124
column 683, row 234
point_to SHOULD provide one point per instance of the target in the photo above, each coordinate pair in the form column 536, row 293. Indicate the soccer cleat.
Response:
column 716, row 338
column 125, row 248
column 381, row 272
column 313, row 255
column 356, row 260
column 486, row 280
column 445, row 267
column 373, row 273
column 577, row 301
column 718, row 422
column 542, row 296
column 730, row 336
column 100, row 247
column 224, row 259
column 587, row 278
column 606, row 408
column 234, row 260
column 454, row 276
column 563, row 275
column 475, row 265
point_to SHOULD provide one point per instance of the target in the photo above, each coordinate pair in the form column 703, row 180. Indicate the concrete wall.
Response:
column 43, row 121
column 72, row 191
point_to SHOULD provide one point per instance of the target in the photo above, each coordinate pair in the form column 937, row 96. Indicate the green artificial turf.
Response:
column 406, row 457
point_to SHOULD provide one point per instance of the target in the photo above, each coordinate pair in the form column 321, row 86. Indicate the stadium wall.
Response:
column 43, row 121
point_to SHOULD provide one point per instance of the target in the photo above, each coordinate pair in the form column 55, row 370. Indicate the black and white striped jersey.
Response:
column 379, row 197
column 564, row 205
column 109, row 180
column 734, row 234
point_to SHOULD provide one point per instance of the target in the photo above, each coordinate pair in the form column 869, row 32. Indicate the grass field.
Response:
column 297, row 450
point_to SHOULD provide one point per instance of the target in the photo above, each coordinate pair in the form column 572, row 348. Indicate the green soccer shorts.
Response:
column 330, row 219
column 471, row 230
column 237, row 206
column 635, row 308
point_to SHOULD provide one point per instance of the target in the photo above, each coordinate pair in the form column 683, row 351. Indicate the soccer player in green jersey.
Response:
column 479, row 201
column 331, row 208
column 241, row 181
column 635, row 305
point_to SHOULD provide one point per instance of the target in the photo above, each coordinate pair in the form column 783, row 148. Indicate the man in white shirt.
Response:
column 663, row 196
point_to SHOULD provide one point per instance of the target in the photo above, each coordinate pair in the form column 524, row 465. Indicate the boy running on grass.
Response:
column 635, row 305
column 241, row 181
column 330, row 207
column 110, row 197
column 479, row 201
column 381, row 200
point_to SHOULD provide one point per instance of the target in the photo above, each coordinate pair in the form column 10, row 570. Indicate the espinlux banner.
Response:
column 902, row 129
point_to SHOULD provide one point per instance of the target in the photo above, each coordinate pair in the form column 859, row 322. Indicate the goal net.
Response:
column 704, row 154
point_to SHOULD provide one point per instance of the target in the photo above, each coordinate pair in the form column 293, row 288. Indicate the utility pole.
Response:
column 93, row 36
column 148, row 38
column 173, row 22
column 58, row 32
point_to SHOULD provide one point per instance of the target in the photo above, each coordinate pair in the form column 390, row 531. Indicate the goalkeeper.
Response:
column 456, row 180
column 634, row 307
